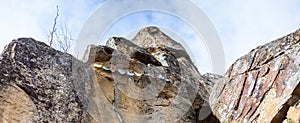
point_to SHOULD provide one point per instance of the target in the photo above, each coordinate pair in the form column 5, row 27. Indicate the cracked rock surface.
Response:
column 149, row 79
column 143, row 97
column 262, row 86
column 39, row 84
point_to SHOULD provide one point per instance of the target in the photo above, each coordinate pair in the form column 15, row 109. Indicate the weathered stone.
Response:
column 158, row 43
column 120, row 82
column 131, row 50
column 211, row 80
column 146, row 99
column 293, row 114
column 153, row 37
column 40, row 84
column 16, row 106
column 262, row 85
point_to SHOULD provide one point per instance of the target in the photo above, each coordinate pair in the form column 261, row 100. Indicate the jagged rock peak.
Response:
column 154, row 40
column 154, row 37
column 136, row 72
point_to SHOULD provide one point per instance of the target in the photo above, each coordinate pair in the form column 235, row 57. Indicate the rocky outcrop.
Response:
column 149, row 82
column 262, row 86
column 40, row 84
column 154, row 40
column 150, row 78
column 124, row 81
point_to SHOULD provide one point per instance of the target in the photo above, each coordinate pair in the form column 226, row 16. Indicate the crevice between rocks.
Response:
column 241, row 94
column 282, row 113
column 264, row 95
column 117, row 113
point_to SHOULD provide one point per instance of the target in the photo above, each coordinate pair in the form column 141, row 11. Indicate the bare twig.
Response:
column 53, row 27
column 60, row 36
column 63, row 38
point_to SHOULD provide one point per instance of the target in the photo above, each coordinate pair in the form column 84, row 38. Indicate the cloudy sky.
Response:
column 241, row 25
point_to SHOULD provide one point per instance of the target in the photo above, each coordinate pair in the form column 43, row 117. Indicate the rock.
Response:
column 170, row 53
column 131, row 50
column 211, row 80
column 144, row 97
column 40, row 84
column 120, row 82
column 293, row 114
column 153, row 37
column 149, row 79
column 16, row 106
column 155, row 41
column 262, row 86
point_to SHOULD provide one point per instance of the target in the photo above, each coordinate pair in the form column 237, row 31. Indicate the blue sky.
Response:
column 241, row 25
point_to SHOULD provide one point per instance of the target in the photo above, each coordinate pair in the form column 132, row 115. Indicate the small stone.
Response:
column 97, row 65
column 161, row 77
column 130, row 73
column 146, row 74
column 138, row 74
column 122, row 72
column 167, row 80
column 112, row 69
column 153, row 77
column 106, row 68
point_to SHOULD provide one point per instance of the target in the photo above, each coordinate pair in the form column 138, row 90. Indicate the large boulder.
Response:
column 150, row 84
column 40, row 84
column 262, row 86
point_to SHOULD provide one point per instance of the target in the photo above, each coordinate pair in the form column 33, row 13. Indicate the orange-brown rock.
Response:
column 293, row 114
column 144, row 96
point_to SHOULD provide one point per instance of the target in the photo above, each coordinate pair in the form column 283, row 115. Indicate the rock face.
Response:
column 293, row 114
column 150, row 79
column 40, row 84
column 262, row 86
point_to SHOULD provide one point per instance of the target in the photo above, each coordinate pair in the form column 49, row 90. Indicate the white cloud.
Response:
column 173, row 26
column 34, row 18
column 242, row 25
column 19, row 19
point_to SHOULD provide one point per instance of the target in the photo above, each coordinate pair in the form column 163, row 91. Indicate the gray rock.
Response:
column 131, row 50
column 40, row 84
column 121, row 82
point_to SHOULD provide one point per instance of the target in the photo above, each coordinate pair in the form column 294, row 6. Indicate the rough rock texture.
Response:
column 124, row 81
column 293, row 114
column 211, row 79
column 147, row 79
column 154, row 40
column 40, row 84
column 262, row 86
column 147, row 99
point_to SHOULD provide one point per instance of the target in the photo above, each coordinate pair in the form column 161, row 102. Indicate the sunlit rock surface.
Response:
column 152, row 81
column 123, row 81
column 262, row 86
column 148, row 79
column 40, row 84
